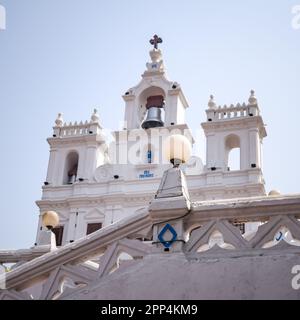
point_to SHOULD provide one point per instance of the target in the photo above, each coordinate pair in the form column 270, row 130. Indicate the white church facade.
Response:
column 118, row 219
column 116, row 180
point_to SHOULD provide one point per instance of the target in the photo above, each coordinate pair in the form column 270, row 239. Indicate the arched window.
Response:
column 233, row 152
column 71, row 167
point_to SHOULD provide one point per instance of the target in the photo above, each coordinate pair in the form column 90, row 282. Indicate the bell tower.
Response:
column 155, row 88
column 235, row 127
column 76, row 150
column 154, row 105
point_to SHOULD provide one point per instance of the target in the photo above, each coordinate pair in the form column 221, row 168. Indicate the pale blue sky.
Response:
column 74, row 55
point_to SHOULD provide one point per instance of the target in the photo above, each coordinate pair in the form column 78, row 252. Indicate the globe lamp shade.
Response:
column 50, row 219
column 177, row 149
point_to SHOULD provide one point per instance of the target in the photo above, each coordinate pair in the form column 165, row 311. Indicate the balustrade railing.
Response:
column 232, row 112
column 75, row 266
column 76, row 129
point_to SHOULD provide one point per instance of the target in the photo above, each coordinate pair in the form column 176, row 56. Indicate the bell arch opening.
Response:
column 151, row 107
column 233, row 152
column 71, row 168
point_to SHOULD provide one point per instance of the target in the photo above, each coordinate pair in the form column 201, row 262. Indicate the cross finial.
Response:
column 155, row 41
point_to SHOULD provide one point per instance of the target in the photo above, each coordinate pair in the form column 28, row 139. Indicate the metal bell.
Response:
column 153, row 119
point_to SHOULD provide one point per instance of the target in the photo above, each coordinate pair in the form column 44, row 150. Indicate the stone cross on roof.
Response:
column 155, row 41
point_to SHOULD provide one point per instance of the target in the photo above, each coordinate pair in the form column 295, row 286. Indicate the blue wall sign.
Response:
column 146, row 174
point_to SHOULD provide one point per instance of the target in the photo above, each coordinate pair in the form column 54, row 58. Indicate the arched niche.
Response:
column 71, row 167
column 142, row 101
column 233, row 152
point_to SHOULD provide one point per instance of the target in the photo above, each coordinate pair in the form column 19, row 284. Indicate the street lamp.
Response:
column 177, row 149
column 50, row 219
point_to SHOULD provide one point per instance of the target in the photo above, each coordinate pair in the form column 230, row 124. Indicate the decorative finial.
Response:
column 95, row 116
column 155, row 41
column 252, row 99
column 59, row 120
column 211, row 103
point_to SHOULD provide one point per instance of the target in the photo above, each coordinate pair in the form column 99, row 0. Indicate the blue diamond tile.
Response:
column 166, row 228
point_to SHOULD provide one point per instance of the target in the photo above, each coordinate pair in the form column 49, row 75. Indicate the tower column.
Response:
column 254, row 148
column 131, row 114
column 51, row 165
column 72, row 225
column 90, row 162
column 211, row 149
column 58, row 170
column 244, row 151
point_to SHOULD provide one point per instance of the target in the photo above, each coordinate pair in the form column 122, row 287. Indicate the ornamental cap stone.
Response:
column 211, row 103
column 252, row 99
column 59, row 120
column 95, row 116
